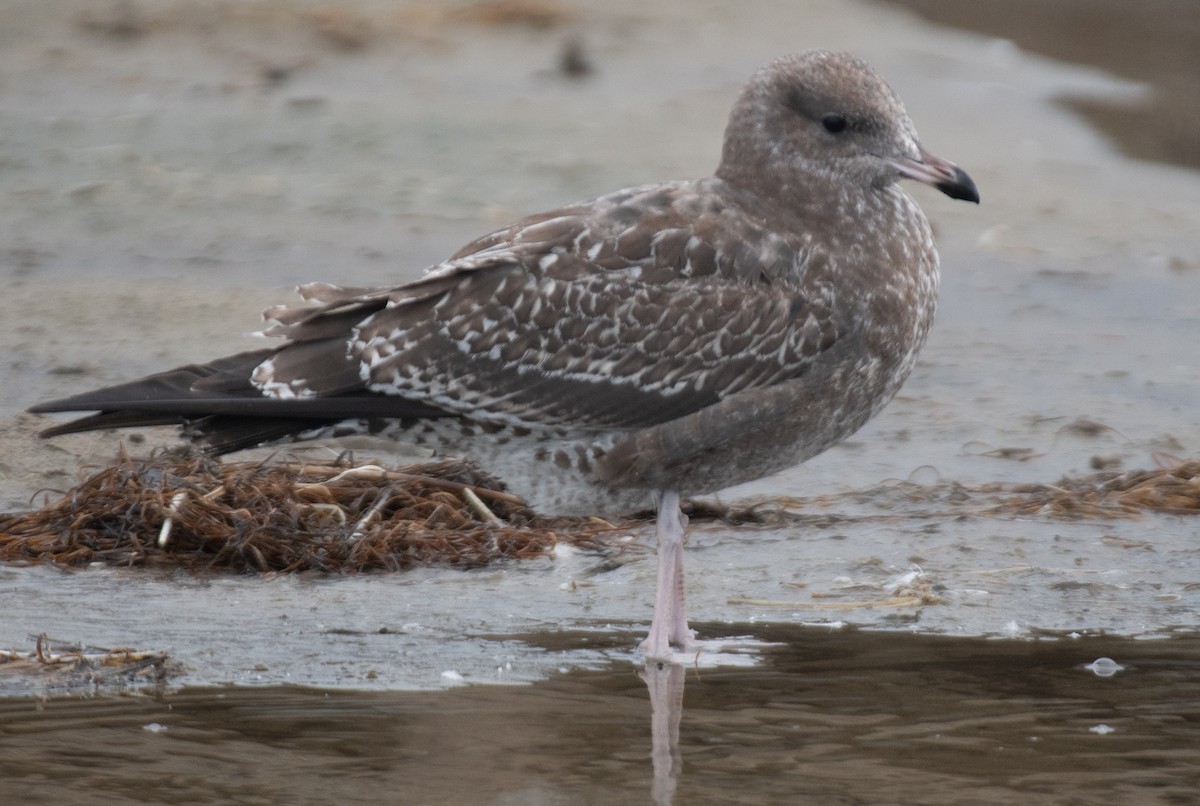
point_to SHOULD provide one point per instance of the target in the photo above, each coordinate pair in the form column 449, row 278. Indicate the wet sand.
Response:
column 168, row 174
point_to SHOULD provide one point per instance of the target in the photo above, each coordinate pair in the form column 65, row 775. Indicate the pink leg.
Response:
column 669, row 627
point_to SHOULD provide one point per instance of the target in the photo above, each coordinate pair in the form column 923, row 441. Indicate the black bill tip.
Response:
column 960, row 187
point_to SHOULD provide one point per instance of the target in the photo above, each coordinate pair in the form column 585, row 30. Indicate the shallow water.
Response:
column 830, row 717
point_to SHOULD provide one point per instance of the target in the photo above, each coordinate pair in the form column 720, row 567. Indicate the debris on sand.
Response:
column 288, row 516
column 199, row 513
column 60, row 665
column 1173, row 490
column 536, row 14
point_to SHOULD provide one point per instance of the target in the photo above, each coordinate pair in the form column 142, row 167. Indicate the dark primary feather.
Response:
column 220, row 406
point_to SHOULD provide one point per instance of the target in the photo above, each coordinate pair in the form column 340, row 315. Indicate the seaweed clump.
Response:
column 200, row 513
column 63, row 667
column 1172, row 490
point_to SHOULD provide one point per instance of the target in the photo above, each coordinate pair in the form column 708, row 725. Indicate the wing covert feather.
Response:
column 608, row 319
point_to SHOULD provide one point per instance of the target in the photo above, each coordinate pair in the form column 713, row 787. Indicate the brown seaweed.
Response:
column 200, row 513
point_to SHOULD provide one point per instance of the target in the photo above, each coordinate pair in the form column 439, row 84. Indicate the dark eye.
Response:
column 833, row 123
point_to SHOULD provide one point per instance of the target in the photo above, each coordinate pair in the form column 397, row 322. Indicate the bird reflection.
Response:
column 665, row 682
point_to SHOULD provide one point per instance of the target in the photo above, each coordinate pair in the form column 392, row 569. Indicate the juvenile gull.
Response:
column 678, row 337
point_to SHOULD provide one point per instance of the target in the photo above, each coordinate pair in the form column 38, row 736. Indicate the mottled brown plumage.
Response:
column 680, row 336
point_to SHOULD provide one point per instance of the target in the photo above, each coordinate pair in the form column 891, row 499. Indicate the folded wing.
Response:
column 629, row 311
